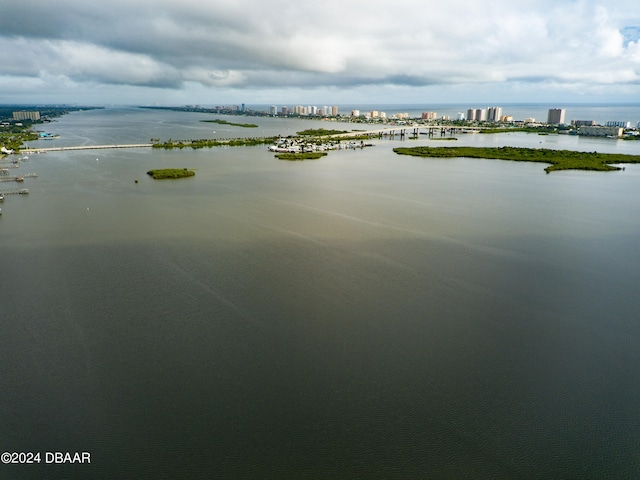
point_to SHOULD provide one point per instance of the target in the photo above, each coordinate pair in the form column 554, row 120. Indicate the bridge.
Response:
column 85, row 147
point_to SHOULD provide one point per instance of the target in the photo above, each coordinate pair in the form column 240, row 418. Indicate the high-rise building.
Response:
column 556, row 116
column 355, row 113
column 22, row 115
column 285, row 111
column 273, row 110
column 429, row 115
column 481, row 114
column 471, row 114
column 334, row 111
column 494, row 114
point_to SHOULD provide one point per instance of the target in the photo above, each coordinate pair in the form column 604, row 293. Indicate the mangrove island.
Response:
column 300, row 156
column 558, row 159
column 163, row 173
column 224, row 122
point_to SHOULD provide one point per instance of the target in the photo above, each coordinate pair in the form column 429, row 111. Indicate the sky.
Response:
column 214, row 52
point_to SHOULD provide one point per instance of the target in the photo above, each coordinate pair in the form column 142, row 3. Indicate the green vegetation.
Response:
column 163, row 173
column 224, row 122
column 14, row 136
column 208, row 143
column 558, row 159
column 320, row 132
column 300, row 156
column 538, row 130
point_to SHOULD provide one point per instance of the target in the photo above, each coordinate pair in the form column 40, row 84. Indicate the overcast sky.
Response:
column 318, row 52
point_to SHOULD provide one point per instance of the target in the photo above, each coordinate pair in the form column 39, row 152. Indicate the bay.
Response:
column 365, row 315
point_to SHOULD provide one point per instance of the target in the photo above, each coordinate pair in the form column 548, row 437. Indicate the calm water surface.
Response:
column 362, row 316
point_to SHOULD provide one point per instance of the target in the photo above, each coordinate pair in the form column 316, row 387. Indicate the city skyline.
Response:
column 270, row 52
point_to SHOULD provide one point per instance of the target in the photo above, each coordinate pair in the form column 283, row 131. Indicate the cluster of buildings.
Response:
column 590, row 128
column 491, row 114
column 378, row 115
column 302, row 110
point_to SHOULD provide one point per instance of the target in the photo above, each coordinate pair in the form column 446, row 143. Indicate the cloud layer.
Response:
column 67, row 46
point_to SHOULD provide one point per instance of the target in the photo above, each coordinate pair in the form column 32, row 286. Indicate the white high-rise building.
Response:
column 471, row 114
column 481, row 114
column 494, row 114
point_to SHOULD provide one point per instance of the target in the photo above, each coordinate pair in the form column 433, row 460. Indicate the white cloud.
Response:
column 261, row 44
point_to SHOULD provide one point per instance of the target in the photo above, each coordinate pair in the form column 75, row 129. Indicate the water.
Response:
column 365, row 315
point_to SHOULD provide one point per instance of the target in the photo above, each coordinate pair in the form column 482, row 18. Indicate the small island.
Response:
column 300, row 156
column 320, row 132
column 224, row 122
column 209, row 143
column 558, row 159
column 163, row 173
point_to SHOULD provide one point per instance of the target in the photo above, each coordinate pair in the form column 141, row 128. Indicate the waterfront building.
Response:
column 284, row 111
column 355, row 113
column 460, row 116
column 583, row 123
column 481, row 114
column 618, row 124
column 273, row 110
column 494, row 114
column 598, row 131
column 530, row 120
column 24, row 115
column 556, row 116
column 471, row 114
column 334, row 111
column 429, row 115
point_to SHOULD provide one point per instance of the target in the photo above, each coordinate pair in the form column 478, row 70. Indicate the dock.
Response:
column 16, row 191
column 17, row 178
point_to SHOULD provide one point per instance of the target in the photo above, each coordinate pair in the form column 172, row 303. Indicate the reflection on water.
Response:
column 366, row 315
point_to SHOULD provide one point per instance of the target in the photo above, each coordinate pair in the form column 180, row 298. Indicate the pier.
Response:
column 401, row 131
column 15, row 191
column 16, row 178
